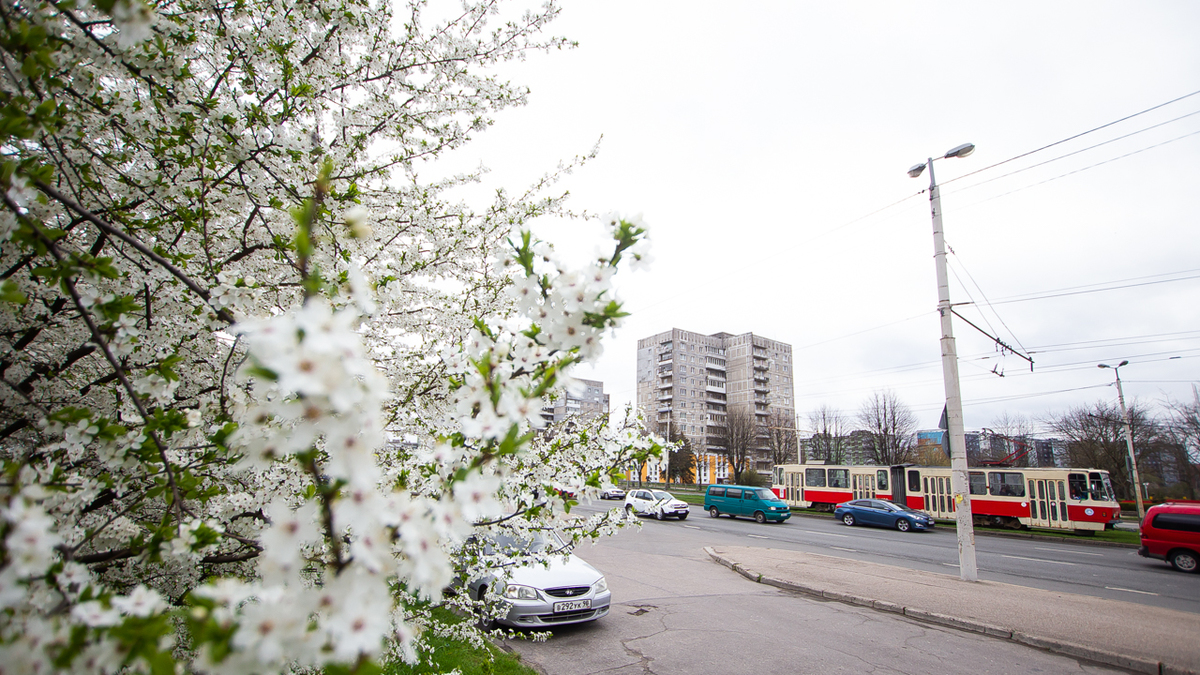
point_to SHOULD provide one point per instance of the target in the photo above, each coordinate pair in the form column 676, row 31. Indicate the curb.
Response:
column 1058, row 646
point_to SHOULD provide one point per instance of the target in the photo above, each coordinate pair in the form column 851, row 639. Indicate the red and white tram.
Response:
column 1016, row 497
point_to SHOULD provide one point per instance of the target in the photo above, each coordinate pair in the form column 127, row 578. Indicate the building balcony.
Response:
column 665, row 358
column 666, row 396
column 712, row 365
column 664, row 409
column 665, row 385
column 715, row 388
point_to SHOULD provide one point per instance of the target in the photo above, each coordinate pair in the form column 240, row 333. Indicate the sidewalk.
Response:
column 1122, row 634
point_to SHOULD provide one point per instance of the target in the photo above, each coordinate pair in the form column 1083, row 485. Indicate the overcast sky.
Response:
column 767, row 144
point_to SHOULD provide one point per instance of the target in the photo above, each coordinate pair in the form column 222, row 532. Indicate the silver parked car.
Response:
column 540, row 596
column 657, row 503
column 612, row 493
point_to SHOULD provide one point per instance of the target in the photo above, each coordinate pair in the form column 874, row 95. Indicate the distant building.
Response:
column 591, row 403
column 855, row 448
column 688, row 382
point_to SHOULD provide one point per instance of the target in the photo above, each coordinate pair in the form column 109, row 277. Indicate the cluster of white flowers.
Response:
column 270, row 423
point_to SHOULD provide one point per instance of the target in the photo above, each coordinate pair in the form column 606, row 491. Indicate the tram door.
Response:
column 939, row 499
column 863, row 485
column 1047, row 504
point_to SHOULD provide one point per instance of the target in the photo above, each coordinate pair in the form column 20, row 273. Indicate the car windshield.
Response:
column 765, row 494
column 659, row 494
column 535, row 542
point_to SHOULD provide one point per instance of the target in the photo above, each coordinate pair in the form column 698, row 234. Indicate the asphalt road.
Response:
column 675, row 611
column 1116, row 573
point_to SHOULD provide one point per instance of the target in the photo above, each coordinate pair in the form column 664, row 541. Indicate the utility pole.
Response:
column 959, row 484
column 1133, row 467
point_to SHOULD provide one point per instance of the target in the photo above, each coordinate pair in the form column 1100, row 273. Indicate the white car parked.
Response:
column 657, row 503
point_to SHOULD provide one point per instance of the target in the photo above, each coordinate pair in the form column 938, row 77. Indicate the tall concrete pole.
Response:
column 959, row 484
column 1137, row 479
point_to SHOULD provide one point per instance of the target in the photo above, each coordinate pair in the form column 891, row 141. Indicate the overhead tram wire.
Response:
column 1069, row 173
column 1071, row 138
column 1081, row 150
column 1094, row 290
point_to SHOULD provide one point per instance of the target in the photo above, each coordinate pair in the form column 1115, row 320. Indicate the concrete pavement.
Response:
column 1126, row 635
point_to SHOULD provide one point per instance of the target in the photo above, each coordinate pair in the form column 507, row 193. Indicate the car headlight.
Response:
column 518, row 592
column 600, row 586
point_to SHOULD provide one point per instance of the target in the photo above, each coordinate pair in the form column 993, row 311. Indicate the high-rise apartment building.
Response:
column 688, row 383
column 589, row 402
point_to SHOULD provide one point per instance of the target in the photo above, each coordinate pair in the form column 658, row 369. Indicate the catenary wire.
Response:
column 1071, row 138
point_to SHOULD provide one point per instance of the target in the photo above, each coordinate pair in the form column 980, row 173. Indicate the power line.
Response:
column 1082, row 150
column 1071, row 173
column 1071, row 138
column 1094, row 290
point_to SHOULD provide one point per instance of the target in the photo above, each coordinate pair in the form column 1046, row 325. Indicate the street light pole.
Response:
column 959, row 483
column 1137, row 480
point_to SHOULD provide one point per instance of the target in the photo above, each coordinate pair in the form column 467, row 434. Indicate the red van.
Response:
column 1171, row 532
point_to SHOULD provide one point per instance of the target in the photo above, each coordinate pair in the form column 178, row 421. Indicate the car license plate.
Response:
column 572, row 605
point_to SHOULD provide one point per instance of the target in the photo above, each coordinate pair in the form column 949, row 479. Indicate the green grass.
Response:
column 451, row 654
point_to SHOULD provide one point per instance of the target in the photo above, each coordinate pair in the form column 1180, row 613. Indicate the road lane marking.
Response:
column 1053, row 562
column 1063, row 550
column 829, row 534
column 692, row 527
column 950, row 564
column 1129, row 590
column 852, row 550
column 757, row 536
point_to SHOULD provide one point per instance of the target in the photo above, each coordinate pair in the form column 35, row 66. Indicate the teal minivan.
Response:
column 758, row 503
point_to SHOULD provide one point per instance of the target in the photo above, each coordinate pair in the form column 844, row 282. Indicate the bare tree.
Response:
column 781, row 438
column 892, row 427
column 1012, row 437
column 741, row 432
column 1095, row 438
column 829, row 435
column 1183, row 426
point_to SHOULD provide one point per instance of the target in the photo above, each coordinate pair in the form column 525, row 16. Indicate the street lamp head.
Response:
column 916, row 170
column 960, row 150
column 1119, row 365
column 1123, row 363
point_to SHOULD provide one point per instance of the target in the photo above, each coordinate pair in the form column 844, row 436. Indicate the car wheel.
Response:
column 629, row 510
column 848, row 519
column 714, row 513
column 659, row 515
column 760, row 517
column 902, row 525
column 484, row 624
column 683, row 516
column 1184, row 561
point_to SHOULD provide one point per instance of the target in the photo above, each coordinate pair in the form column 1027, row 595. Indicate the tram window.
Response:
column 914, row 481
column 978, row 483
column 839, row 478
column 814, row 477
column 881, row 479
column 1078, row 483
column 1006, row 483
column 1100, row 487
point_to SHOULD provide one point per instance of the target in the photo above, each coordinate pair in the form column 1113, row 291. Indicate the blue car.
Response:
column 884, row 513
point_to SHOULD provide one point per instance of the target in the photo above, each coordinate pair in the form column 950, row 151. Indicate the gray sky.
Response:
column 767, row 146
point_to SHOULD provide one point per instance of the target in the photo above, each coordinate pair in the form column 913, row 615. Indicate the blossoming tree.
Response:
column 260, row 381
